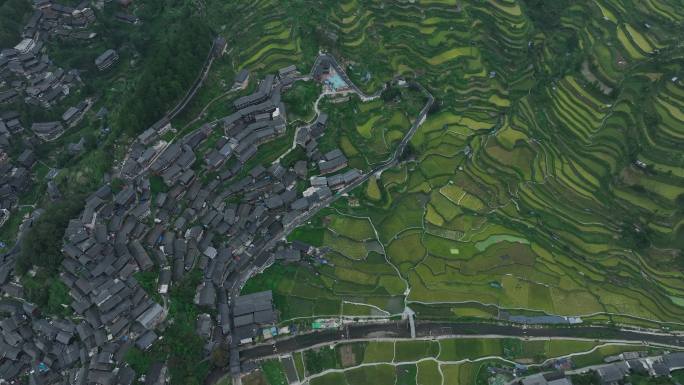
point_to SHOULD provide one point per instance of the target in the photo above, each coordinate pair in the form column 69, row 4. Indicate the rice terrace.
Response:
column 545, row 185
column 546, row 180
column 352, row 192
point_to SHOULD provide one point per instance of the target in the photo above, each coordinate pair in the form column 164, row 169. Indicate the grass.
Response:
column 406, row 374
column 376, row 374
column 415, row 350
column 319, row 360
column 373, row 190
column 428, row 373
column 274, row 372
column 358, row 229
column 597, row 355
column 299, row 364
column 299, row 100
column 379, row 352
column 455, row 350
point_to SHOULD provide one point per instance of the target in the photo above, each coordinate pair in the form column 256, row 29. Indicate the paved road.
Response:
column 400, row 330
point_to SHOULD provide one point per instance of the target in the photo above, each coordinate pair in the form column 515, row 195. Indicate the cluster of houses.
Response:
column 61, row 21
column 102, row 251
column 26, row 71
column 29, row 77
column 250, row 312
column 221, row 226
column 103, row 248
column 15, row 179
column 53, row 349
column 259, row 118
column 617, row 369
column 15, row 173
column 167, row 216
column 328, row 163
column 9, row 125
column 74, row 114
column 27, row 74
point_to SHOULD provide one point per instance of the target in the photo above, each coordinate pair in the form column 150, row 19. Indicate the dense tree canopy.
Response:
column 170, row 69
column 12, row 15
column 42, row 245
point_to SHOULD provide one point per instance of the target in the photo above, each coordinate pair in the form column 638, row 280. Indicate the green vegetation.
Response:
column 48, row 292
column 547, row 177
column 428, row 373
column 376, row 374
column 551, row 153
column 415, row 350
column 368, row 132
column 173, row 65
column 406, row 374
column 12, row 15
column 319, row 360
column 148, row 281
column 299, row 364
column 42, row 245
column 596, row 357
column 456, row 360
column 159, row 60
column 180, row 347
column 274, row 372
column 138, row 360
column 378, row 351
column 299, row 100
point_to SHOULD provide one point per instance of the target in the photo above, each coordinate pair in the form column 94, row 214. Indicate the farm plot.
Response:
column 548, row 177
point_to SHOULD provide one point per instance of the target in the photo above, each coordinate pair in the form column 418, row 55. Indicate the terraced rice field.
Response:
column 549, row 178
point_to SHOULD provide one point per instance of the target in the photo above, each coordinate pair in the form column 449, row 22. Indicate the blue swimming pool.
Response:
column 335, row 82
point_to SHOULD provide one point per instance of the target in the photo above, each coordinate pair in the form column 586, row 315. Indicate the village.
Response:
column 217, row 200
column 615, row 370
column 29, row 78
column 131, row 228
column 223, row 226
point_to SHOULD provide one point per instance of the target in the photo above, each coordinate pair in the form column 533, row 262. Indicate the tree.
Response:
column 42, row 244
column 546, row 14
column 390, row 93
column 169, row 71
column 12, row 14
column 680, row 201
column 219, row 356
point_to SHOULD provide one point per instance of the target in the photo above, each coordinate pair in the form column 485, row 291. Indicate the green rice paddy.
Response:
column 449, row 361
column 548, row 178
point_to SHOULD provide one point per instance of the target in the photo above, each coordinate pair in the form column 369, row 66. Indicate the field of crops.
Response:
column 429, row 362
column 549, row 177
